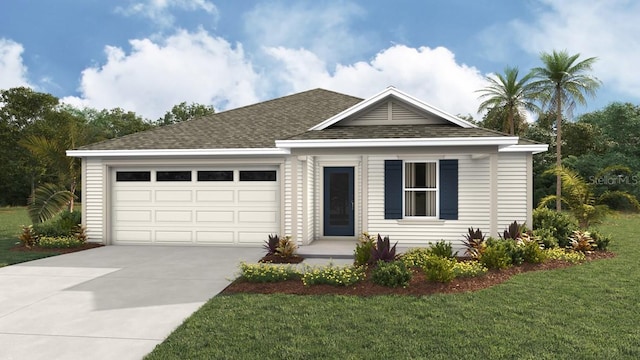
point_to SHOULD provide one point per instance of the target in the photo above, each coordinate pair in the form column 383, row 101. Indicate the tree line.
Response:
column 36, row 129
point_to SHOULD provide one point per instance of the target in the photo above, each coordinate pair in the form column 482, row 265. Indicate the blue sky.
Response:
column 148, row 55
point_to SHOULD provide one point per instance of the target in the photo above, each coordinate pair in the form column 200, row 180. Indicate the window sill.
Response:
column 418, row 221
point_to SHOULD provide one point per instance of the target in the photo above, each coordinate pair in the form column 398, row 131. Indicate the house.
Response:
column 313, row 165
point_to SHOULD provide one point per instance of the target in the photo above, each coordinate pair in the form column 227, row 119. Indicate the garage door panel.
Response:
column 133, row 195
column 214, row 216
column 214, row 196
column 251, row 237
column 133, row 216
column 173, row 195
column 137, row 236
column 257, row 216
column 173, row 236
column 257, row 196
column 174, row 216
column 215, row 237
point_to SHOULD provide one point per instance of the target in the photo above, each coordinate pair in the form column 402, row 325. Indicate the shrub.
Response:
column 28, row 238
column 581, row 241
column 63, row 225
column 474, row 241
column 59, row 242
column 496, row 255
column 602, row 241
column 546, row 238
column 573, row 257
column 416, row 257
column 514, row 231
column 469, row 269
column 362, row 253
column 333, row 275
column 391, row 274
column 532, row 252
column 560, row 225
column 443, row 250
column 383, row 250
column 264, row 273
column 439, row 269
column 80, row 233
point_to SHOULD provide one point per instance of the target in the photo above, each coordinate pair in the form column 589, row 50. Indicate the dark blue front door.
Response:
column 338, row 201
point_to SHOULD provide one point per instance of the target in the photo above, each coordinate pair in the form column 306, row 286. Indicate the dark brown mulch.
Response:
column 84, row 246
column 276, row 259
column 417, row 287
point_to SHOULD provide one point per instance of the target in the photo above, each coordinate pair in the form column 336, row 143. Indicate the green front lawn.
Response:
column 589, row 311
column 11, row 220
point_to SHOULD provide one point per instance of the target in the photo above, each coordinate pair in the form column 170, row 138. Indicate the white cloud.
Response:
column 322, row 28
column 13, row 72
column 154, row 76
column 604, row 29
column 159, row 11
column 432, row 75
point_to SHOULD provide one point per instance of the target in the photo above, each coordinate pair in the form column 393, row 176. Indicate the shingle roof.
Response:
column 253, row 126
column 395, row 132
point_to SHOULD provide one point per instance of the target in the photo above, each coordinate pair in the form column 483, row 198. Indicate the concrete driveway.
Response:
column 113, row 302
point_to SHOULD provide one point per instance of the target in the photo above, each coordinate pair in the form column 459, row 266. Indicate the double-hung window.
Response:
column 421, row 189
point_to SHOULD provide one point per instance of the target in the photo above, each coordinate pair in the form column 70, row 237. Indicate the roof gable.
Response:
column 408, row 111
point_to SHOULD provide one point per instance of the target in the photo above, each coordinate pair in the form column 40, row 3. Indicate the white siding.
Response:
column 311, row 199
column 94, row 200
column 288, row 201
column 512, row 189
column 473, row 206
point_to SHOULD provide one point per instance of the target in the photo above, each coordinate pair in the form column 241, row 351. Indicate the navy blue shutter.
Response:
column 449, row 189
column 393, row 189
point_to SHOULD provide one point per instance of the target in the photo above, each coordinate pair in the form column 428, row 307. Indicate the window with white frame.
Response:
column 421, row 189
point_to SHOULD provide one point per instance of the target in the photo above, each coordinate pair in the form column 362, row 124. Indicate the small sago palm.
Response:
column 562, row 82
column 509, row 95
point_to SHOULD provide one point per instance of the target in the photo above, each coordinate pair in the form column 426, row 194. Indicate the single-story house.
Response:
column 313, row 165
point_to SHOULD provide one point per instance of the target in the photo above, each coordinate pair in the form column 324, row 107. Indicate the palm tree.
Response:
column 561, row 83
column 508, row 96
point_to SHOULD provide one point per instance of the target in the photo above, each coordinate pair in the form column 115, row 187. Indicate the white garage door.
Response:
column 194, row 206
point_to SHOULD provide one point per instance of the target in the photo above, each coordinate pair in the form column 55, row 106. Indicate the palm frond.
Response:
column 47, row 201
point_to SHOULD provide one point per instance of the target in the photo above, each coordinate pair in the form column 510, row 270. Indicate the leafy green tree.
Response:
column 583, row 138
column 508, row 96
column 620, row 125
column 108, row 124
column 562, row 82
column 20, row 109
column 183, row 112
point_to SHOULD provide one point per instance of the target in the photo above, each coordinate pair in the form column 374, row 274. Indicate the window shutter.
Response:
column 449, row 189
column 393, row 189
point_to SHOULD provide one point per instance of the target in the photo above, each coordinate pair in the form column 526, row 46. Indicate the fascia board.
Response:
column 176, row 152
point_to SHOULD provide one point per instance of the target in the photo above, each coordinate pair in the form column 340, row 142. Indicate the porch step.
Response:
column 328, row 249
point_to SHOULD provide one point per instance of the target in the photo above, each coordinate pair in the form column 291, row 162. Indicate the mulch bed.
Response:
column 84, row 246
column 417, row 287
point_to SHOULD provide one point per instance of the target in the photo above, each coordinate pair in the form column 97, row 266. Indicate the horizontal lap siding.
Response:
column 310, row 188
column 473, row 207
column 94, row 200
column 512, row 189
column 288, row 201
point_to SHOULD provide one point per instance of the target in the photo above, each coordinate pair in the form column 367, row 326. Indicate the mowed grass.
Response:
column 11, row 221
column 589, row 311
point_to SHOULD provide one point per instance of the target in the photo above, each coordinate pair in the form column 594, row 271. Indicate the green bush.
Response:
column 63, row 225
column 265, row 273
column 546, row 237
column 416, row 257
column 602, row 241
column 439, row 269
column 443, row 250
column 469, row 269
column 391, row 274
column 560, row 225
column 59, row 242
column 364, row 247
column 496, row 255
column 532, row 253
column 333, row 275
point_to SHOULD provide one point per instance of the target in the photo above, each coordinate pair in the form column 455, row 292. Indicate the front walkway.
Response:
column 113, row 302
